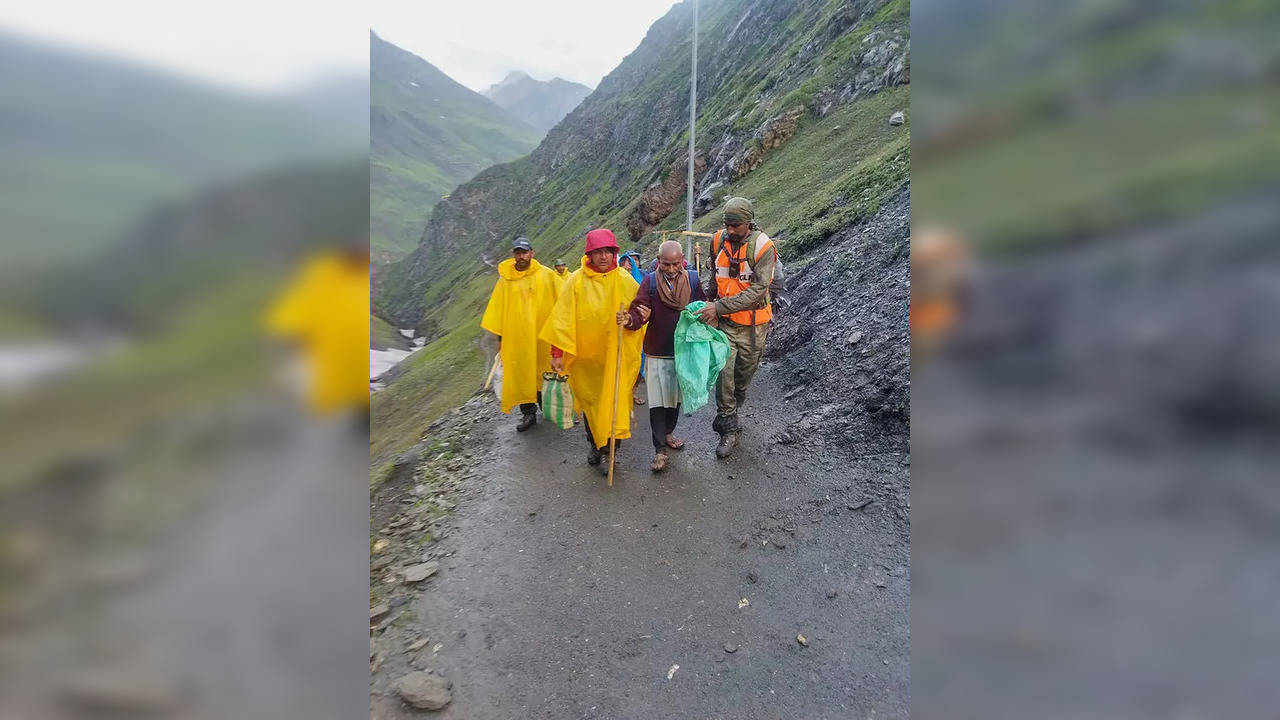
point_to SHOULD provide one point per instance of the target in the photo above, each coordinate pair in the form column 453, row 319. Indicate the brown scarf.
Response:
column 674, row 295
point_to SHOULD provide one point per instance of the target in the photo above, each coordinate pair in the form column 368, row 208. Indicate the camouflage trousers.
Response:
column 744, row 360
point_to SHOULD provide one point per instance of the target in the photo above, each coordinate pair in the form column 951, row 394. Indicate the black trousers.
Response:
column 603, row 446
column 531, row 408
column 662, row 421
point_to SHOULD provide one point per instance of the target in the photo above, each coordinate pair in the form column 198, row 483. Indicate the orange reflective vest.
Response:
column 728, row 285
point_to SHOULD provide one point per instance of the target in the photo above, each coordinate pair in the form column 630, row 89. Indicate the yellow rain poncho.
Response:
column 582, row 325
column 326, row 311
column 520, row 303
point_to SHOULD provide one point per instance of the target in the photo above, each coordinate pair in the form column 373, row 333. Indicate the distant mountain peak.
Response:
column 541, row 103
column 513, row 78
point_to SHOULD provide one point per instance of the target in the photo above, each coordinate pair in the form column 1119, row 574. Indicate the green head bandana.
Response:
column 738, row 210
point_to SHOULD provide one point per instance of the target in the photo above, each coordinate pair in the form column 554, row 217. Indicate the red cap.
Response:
column 601, row 238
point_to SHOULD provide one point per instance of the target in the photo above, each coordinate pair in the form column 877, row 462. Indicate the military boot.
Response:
column 527, row 421
column 719, row 424
column 728, row 442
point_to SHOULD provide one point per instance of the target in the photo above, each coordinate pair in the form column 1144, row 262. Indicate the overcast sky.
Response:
column 477, row 42
column 260, row 45
column 267, row 45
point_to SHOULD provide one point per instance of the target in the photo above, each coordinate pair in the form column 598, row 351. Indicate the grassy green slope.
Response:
column 188, row 248
column 16, row 325
column 91, row 144
column 1082, row 178
column 428, row 135
column 382, row 336
column 834, row 172
column 1024, row 145
column 194, row 282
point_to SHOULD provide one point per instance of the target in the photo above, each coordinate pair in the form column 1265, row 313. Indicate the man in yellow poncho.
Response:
column 325, row 310
column 521, row 301
column 582, row 331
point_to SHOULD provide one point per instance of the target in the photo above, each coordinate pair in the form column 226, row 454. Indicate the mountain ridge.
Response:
column 428, row 134
column 541, row 103
column 92, row 142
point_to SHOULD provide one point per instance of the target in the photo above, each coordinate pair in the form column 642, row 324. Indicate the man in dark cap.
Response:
column 521, row 301
column 743, row 260
column 561, row 269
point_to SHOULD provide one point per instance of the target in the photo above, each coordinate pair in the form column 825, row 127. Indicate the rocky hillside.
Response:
column 427, row 134
column 843, row 340
column 798, row 106
column 541, row 104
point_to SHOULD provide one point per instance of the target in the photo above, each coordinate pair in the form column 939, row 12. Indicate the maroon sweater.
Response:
column 660, row 339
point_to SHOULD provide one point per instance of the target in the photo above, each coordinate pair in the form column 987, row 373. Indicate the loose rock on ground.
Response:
column 424, row 690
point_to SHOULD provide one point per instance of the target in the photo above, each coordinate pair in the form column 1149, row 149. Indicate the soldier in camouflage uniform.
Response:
column 743, row 260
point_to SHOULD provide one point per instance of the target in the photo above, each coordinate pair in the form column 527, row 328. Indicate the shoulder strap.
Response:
column 756, row 251
column 721, row 246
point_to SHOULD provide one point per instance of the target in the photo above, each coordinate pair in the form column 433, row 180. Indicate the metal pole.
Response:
column 693, row 120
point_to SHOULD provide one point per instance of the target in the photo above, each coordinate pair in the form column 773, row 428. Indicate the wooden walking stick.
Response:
column 697, row 257
column 489, row 381
column 617, row 377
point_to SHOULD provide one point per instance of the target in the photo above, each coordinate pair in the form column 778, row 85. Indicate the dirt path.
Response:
column 232, row 597
column 1103, row 439
column 560, row 597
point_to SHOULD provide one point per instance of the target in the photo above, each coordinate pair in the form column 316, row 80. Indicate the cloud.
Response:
column 246, row 44
column 477, row 43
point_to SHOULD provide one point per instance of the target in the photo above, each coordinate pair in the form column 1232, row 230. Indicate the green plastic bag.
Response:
column 701, row 353
column 557, row 400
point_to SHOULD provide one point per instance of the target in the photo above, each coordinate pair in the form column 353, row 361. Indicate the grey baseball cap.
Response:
column 521, row 243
